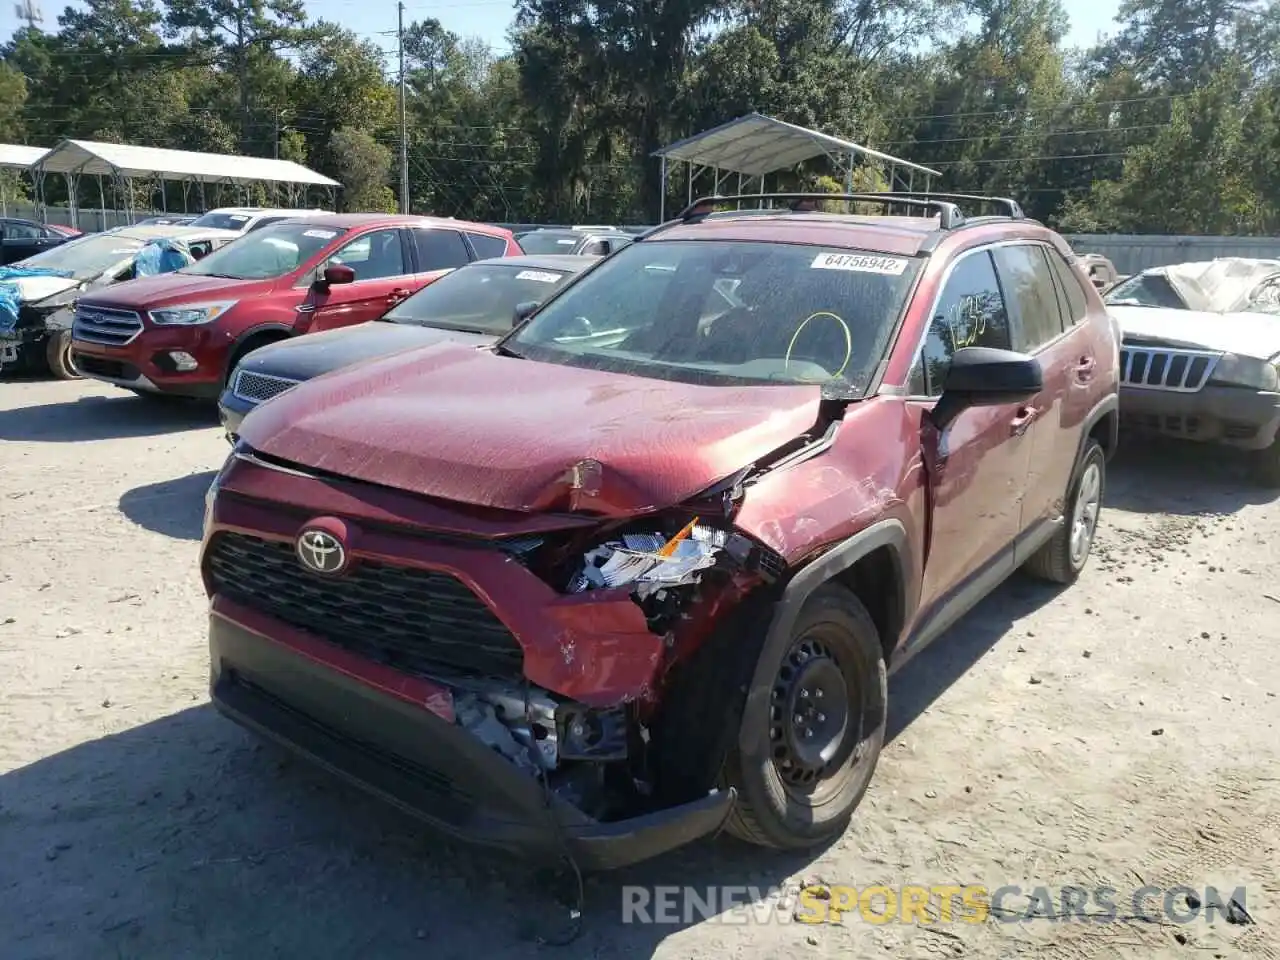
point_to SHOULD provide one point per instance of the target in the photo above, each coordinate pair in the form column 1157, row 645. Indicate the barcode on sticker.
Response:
column 320, row 234
column 538, row 275
column 859, row 263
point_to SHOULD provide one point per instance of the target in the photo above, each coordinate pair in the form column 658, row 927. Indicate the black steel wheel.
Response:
column 812, row 726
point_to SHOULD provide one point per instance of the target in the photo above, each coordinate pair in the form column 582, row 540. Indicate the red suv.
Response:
column 181, row 333
column 642, row 567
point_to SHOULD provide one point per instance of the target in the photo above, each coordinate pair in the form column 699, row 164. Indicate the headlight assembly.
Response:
column 190, row 314
column 1236, row 371
column 651, row 558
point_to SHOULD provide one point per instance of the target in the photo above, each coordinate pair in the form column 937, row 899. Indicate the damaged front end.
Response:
column 606, row 759
column 26, row 329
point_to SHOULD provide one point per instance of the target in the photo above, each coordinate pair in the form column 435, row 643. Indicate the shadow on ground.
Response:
column 174, row 508
column 104, row 418
column 1164, row 476
column 188, row 837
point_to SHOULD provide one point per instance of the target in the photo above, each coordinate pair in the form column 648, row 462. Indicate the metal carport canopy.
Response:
column 86, row 157
column 15, row 156
column 755, row 145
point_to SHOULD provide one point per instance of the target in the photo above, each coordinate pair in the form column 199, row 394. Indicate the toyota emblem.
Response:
column 321, row 552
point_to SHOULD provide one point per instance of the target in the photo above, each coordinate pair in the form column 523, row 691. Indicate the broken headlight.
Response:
column 651, row 558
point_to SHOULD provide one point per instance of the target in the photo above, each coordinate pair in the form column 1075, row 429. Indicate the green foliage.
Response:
column 1170, row 125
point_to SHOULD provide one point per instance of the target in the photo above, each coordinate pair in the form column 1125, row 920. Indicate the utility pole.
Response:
column 276, row 139
column 29, row 10
column 404, row 123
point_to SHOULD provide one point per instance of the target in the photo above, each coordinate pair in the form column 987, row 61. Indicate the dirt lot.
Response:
column 1122, row 733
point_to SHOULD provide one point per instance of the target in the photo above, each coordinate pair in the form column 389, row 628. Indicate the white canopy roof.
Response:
column 126, row 160
column 17, row 157
column 755, row 145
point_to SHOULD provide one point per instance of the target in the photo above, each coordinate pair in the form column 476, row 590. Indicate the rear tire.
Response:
column 812, row 727
column 58, row 354
column 1266, row 465
column 1063, row 558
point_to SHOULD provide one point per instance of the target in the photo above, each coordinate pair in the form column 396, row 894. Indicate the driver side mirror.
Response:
column 523, row 312
column 337, row 273
column 986, row 377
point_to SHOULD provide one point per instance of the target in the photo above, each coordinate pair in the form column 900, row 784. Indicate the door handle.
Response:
column 1023, row 419
column 1084, row 369
column 395, row 296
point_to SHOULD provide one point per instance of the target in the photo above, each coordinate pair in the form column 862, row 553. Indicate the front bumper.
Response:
column 1232, row 416
column 144, row 363
column 386, row 739
column 231, row 412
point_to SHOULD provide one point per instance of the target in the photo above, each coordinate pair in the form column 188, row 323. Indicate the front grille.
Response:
column 418, row 621
column 106, row 325
column 257, row 387
column 1161, row 368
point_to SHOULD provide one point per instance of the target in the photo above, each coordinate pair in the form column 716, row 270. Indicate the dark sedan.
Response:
column 475, row 303
column 20, row 239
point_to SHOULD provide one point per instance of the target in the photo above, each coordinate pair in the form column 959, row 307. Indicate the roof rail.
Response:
column 1009, row 207
column 948, row 213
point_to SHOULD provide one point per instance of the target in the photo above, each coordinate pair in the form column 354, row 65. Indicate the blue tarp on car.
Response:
column 162, row 256
column 11, row 295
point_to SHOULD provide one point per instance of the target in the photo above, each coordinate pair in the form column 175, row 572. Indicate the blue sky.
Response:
column 489, row 19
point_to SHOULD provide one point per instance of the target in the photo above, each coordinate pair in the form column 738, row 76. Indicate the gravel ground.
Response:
column 1120, row 733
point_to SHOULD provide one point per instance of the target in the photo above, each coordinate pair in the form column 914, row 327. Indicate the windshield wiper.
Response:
column 503, row 350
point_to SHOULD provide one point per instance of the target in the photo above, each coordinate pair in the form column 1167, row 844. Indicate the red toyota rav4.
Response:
column 182, row 333
column 641, row 568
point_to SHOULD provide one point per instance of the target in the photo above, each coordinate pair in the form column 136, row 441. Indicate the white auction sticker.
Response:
column 859, row 263
column 538, row 275
column 566, row 243
column 320, row 234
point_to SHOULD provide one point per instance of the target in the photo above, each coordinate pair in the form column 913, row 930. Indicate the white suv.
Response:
column 244, row 219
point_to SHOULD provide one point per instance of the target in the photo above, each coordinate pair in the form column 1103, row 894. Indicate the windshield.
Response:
column 86, row 257
column 480, row 298
column 222, row 221
column 263, row 254
column 1145, row 290
column 549, row 241
column 722, row 312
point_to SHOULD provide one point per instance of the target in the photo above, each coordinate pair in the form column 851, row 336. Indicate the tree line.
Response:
column 1171, row 124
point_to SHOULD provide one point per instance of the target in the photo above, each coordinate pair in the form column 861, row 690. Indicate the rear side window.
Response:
column 1028, row 287
column 1077, row 303
column 486, row 246
column 970, row 313
column 441, row 249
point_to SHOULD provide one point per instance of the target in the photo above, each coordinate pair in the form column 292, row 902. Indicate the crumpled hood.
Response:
column 302, row 358
column 1247, row 334
column 165, row 288
column 35, row 289
column 467, row 425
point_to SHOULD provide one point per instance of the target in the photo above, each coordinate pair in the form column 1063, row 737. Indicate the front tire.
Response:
column 1063, row 558
column 1266, row 465
column 812, row 727
column 58, row 354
